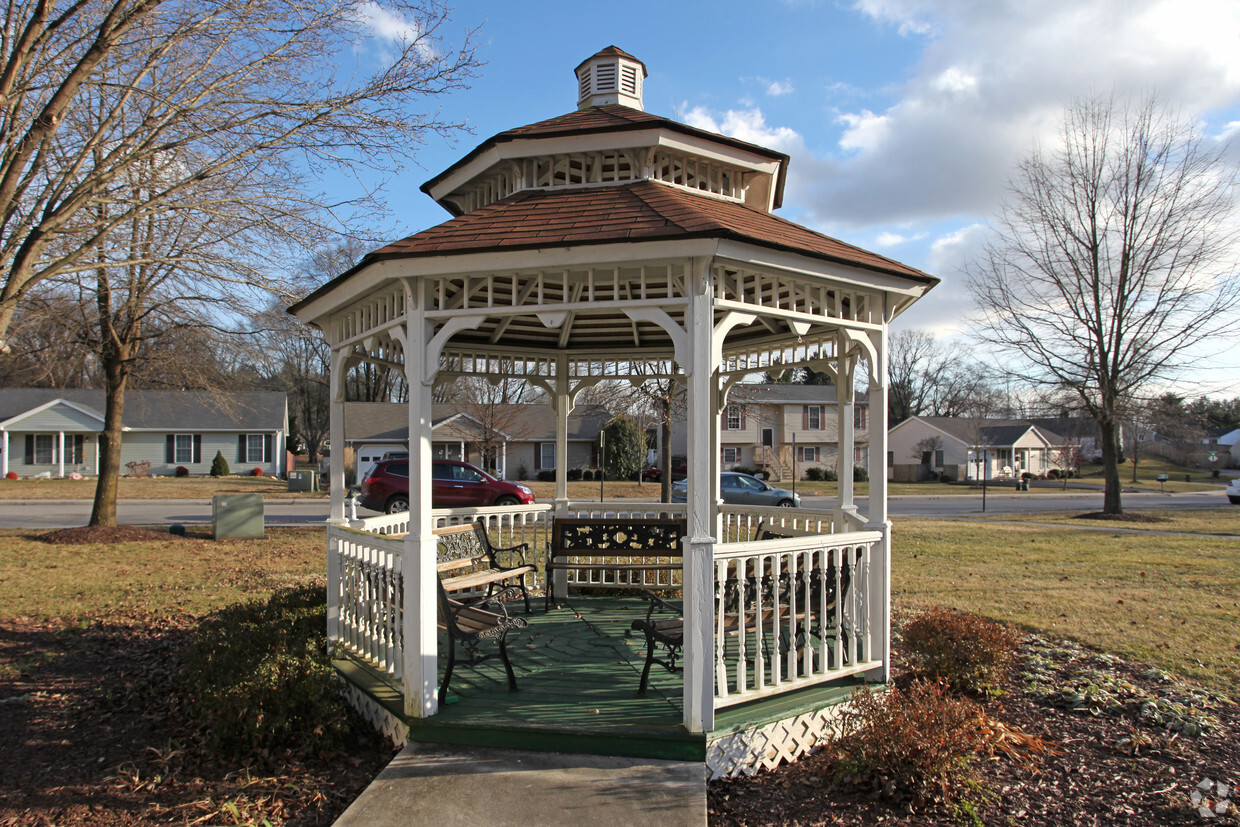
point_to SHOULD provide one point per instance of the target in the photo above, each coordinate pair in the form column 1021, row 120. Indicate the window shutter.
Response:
column 723, row 420
column 197, row 448
column 79, row 448
column 170, row 449
column 537, row 456
column 742, row 419
column 269, row 442
column 805, row 417
column 241, row 448
column 29, row 449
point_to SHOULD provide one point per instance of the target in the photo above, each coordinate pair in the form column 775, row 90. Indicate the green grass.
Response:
column 1168, row 601
column 176, row 575
column 1217, row 521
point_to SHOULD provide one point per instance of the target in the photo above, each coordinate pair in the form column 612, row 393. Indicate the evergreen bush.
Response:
column 219, row 465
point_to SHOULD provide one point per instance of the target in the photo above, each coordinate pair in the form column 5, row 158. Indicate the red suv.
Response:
column 453, row 485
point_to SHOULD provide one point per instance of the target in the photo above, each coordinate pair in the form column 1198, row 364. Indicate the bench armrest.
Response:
column 658, row 604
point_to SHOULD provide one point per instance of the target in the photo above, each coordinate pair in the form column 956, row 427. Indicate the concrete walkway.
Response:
column 447, row 785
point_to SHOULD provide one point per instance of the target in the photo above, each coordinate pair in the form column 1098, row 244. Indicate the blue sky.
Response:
column 903, row 118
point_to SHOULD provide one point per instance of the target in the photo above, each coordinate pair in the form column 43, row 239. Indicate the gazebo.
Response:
column 610, row 244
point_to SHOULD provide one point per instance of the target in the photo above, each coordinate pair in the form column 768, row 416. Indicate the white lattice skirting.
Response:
column 376, row 715
column 746, row 751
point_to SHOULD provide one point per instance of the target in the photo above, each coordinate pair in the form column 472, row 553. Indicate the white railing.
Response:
column 365, row 597
column 625, row 510
column 740, row 522
column 791, row 613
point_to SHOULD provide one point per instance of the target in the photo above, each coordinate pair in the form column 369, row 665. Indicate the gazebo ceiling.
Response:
column 582, row 234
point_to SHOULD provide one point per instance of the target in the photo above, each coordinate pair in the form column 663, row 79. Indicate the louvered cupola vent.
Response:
column 611, row 76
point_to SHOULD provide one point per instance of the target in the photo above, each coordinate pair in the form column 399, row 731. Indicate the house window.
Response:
column 183, row 452
column 546, row 455
column 813, row 417
column 938, row 458
column 731, row 456
column 891, row 459
column 859, row 418
column 861, row 456
column 253, row 447
column 808, row 453
column 44, row 449
column 733, row 422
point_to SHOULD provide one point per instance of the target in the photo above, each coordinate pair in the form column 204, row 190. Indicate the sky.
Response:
column 903, row 119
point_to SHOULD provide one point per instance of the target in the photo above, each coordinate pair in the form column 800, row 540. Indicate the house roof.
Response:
column 389, row 421
column 997, row 432
column 776, row 393
column 640, row 211
column 157, row 410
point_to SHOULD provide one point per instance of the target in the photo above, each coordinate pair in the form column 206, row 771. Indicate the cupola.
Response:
column 611, row 76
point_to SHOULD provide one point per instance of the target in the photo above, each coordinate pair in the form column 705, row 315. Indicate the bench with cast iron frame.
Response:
column 472, row 626
column 468, row 562
column 593, row 544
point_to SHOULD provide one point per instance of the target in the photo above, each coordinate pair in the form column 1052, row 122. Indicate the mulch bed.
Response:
column 89, row 736
column 83, row 535
column 1126, row 517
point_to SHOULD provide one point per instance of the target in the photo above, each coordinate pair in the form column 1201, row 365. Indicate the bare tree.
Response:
column 494, row 412
column 272, row 92
column 928, row 378
column 1112, row 259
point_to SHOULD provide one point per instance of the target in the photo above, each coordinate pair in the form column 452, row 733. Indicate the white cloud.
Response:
column 385, row 25
column 890, row 239
column 777, row 88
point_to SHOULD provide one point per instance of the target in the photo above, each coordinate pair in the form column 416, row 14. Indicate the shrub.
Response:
column 626, row 447
column 741, row 469
column 946, row 477
column 587, row 475
column 813, row 474
column 258, row 677
column 915, row 743
column 219, row 465
column 523, row 473
column 256, row 472
column 12, row 475
column 967, row 652
column 574, row 474
column 546, row 475
column 1052, row 474
column 182, row 471
column 860, row 474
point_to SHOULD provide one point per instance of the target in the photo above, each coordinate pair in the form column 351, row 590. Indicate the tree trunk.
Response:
column 1110, row 468
column 103, row 511
column 665, row 459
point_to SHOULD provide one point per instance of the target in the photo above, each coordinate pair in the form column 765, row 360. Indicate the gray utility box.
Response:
column 237, row 516
column 303, row 480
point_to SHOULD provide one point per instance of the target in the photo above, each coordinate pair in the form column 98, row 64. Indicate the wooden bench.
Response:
column 468, row 562
column 471, row 625
column 612, row 545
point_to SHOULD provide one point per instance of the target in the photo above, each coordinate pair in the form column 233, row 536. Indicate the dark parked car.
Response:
column 742, row 489
column 453, row 485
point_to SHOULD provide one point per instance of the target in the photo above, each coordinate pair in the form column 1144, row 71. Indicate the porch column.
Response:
column 503, row 460
column 335, row 427
column 562, row 405
column 879, row 604
column 702, row 503
column 845, row 397
column 60, row 453
column 4, row 454
column 421, row 653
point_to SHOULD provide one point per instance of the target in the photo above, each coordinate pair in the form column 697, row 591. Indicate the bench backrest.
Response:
column 606, row 537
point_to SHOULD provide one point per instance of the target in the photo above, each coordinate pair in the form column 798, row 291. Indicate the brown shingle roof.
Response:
column 612, row 117
column 642, row 211
column 612, row 51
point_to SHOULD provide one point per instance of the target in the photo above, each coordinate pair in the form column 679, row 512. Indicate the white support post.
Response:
column 562, row 404
column 60, row 454
column 879, row 605
column 845, row 397
column 703, row 504
column 421, row 653
column 335, row 465
column 4, row 454
column 503, row 460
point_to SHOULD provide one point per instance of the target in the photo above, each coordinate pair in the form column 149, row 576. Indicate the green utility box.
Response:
column 306, row 479
column 237, row 516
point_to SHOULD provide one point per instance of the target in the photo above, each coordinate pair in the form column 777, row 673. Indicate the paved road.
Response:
column 62, row 513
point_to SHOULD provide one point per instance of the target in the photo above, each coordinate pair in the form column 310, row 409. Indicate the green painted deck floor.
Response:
column 577, row 675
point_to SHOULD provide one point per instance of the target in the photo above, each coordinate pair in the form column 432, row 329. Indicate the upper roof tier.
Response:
column 608, row 140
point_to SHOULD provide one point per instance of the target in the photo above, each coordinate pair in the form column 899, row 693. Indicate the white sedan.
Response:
column 1233, row 491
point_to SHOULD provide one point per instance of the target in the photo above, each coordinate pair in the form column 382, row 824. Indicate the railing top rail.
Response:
column 726, row 551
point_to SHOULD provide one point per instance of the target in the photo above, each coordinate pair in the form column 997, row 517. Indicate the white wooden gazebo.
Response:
column 613, row 244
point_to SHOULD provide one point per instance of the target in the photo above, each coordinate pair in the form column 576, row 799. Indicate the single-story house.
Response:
column 55, row 432
column 784, row 429
column 924, row 447
column 513, row 441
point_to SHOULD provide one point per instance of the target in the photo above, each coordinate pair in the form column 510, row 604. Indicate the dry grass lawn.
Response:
column 1225, row 521
column 151, row 488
